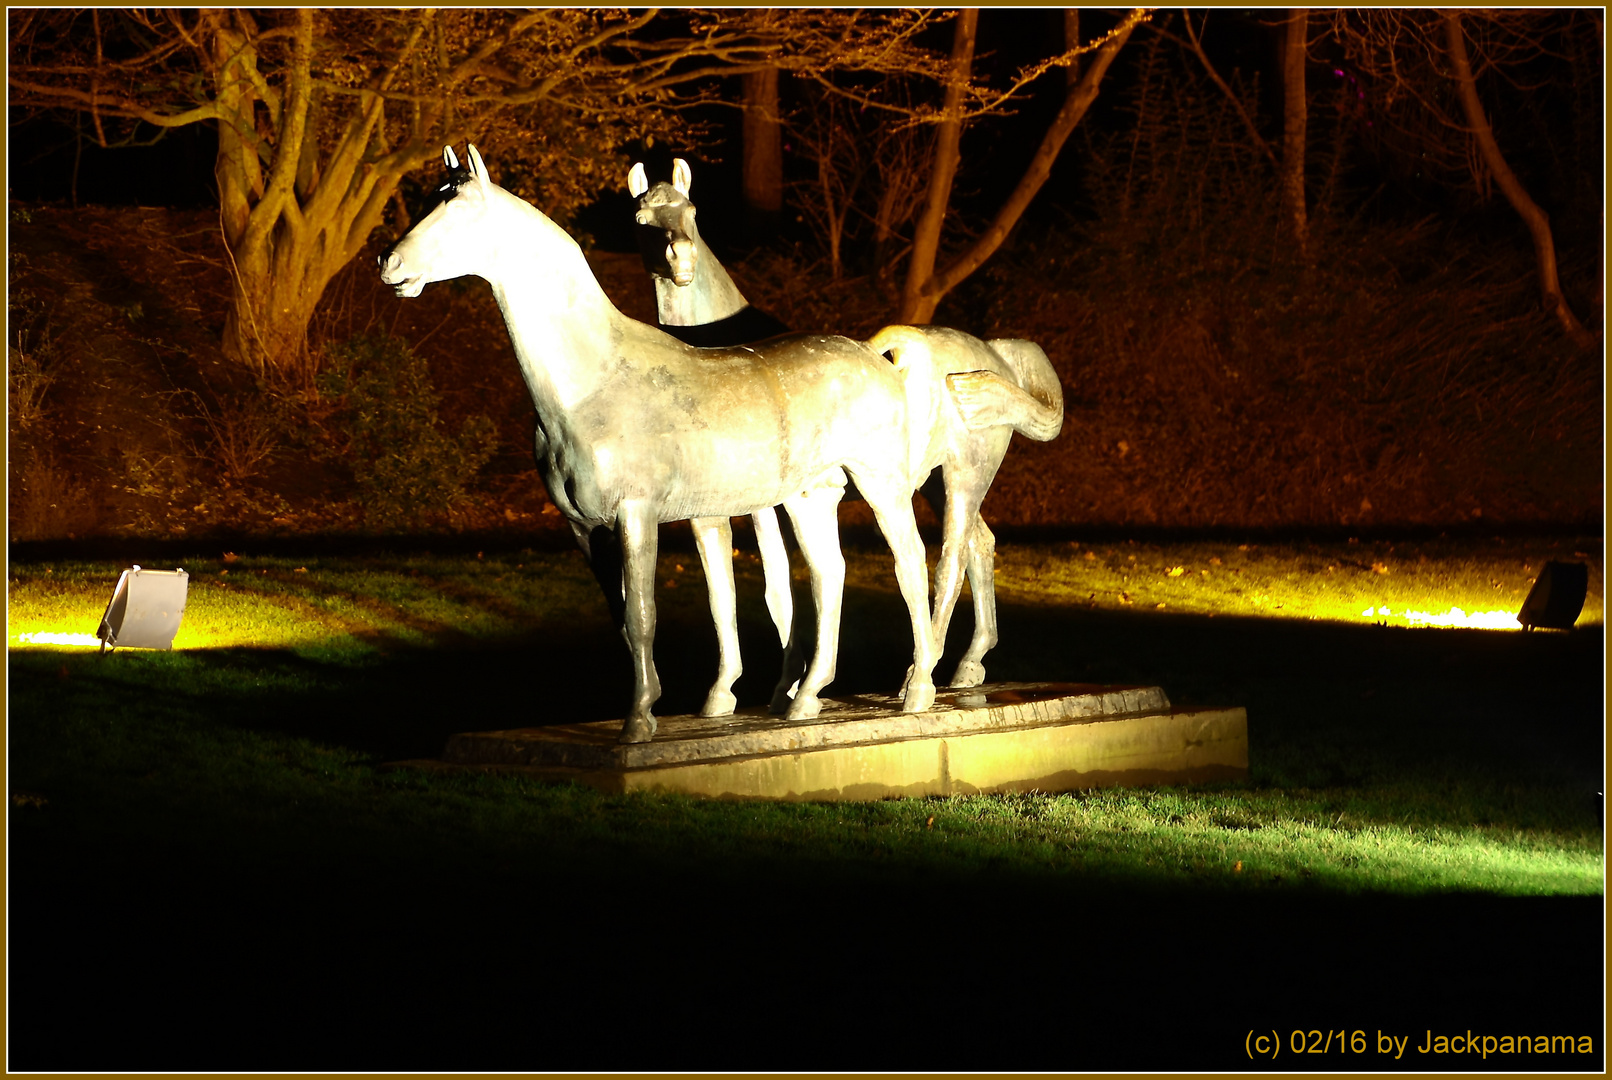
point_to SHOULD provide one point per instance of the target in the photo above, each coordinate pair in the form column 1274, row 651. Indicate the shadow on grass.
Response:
column 1329, row 705
column 195, row 932
column 357, row 968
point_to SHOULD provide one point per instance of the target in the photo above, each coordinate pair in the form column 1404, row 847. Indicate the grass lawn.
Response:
column 206, row 853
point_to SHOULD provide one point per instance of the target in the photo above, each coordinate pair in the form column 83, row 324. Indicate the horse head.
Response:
column 451, row 241
column 667, row 236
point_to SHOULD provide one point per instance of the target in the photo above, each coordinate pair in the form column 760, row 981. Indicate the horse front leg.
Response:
column 817, row 529
column 713, row 537
column 639, row 531
column 780, row 603
column 982, row 583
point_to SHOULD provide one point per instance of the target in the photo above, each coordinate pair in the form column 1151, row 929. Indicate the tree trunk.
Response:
column 763, row 152
column 920, row 298
column 1294, row 116
column 1071, row 39
column 289, row 231
column 918, row 302
column 1536, row 219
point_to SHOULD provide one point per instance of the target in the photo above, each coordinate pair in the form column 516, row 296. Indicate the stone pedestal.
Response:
column 997, row 737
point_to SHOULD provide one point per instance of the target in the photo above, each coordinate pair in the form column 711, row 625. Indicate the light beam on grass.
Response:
column 47, row 637
column 1454, row 617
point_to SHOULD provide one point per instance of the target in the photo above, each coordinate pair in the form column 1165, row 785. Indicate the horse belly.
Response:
column 850, row 410
column 701, row 461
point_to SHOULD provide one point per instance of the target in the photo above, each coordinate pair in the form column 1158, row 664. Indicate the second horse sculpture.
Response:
column 635, row 428
column 996, row 387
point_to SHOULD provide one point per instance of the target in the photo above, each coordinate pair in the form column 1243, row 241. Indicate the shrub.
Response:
column 386, row 409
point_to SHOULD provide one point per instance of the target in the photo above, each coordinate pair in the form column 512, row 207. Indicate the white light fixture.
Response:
column 145, row 610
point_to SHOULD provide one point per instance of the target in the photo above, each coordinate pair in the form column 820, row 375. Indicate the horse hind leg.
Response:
column 982, row 584
column 780, row 603
column 713, row 538
column 965, row 536
column 817, row 529
column 892, row 507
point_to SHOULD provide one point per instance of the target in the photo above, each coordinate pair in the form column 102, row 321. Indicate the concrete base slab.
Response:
column 997, row 737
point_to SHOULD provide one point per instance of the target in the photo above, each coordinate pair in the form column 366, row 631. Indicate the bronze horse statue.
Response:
column 636, row 428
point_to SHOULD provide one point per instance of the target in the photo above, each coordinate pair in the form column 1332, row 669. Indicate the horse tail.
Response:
column 921, row 383
column 1036, row 412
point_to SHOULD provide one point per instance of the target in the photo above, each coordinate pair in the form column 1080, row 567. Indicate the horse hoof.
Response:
column 719, row 703
column 969, row 673
column 637, row 729
column 804, row 708
column 918, row 698
column 783, row 697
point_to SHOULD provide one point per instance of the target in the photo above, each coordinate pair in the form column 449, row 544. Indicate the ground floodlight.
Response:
column 145, row 610
column 1557, row 597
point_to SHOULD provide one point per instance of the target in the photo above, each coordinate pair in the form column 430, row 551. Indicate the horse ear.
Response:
column 448, row 158
column 478, row 168
column 682, row 177
column 637, row 180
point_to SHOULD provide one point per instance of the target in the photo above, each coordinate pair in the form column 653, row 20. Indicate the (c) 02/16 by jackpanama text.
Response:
column 1315, row 1041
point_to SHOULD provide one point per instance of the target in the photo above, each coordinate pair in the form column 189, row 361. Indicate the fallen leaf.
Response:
column 1379, row 568
column 1238, row 868
column 1176, row 571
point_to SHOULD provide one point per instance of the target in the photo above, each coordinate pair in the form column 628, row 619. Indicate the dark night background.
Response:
column 1408, row 384
column 1407, row 380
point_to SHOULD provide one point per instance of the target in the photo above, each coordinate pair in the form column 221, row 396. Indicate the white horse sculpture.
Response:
column 1000, row 386
column 635, row 428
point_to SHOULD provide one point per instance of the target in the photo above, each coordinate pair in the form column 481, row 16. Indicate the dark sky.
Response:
column 48, row 163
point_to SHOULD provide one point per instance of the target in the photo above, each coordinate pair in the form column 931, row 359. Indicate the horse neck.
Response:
column 710, row 297
column 560, row 321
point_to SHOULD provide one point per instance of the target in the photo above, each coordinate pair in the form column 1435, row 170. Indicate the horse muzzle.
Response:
column 680, row 259
column 392, row 273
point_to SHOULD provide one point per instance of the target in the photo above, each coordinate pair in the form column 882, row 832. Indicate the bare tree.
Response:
column 1537, row 220
column 763, row 169
column 928, row 282
column 321, row 113
column 833, row 140
column 1426, row 57
column 1294, row 117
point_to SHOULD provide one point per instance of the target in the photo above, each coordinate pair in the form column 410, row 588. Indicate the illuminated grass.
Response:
column 1336, row 581
column 292, row 680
